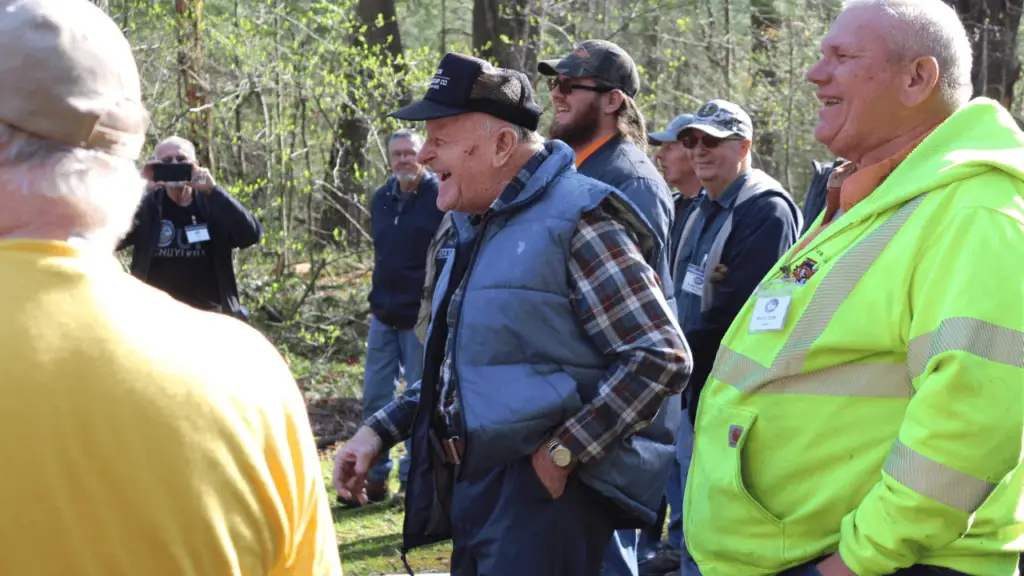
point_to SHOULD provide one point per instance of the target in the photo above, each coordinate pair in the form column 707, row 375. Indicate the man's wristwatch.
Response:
column 560, row 455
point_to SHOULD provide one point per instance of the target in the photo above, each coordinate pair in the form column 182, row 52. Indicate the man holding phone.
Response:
column 185, row 229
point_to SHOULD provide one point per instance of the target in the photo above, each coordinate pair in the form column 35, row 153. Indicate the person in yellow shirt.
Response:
column 137, row 434
column 865, row 412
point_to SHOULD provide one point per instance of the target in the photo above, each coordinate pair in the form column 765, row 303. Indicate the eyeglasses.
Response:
column 565, row 86
column 710, row 142
column 179, row 159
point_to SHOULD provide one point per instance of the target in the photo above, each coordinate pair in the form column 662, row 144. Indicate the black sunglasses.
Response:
column 710, row 142
column 565, row 86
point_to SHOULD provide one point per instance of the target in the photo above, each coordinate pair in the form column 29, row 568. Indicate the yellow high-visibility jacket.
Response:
column 885, row 419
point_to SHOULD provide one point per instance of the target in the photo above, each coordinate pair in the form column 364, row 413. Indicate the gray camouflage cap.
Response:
column 722, row 119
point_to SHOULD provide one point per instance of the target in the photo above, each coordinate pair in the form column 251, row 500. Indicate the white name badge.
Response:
column 770, row 308
column 693, row 282
column 197, row 233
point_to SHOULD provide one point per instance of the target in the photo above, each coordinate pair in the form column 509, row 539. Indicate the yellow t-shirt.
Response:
column 139, row 436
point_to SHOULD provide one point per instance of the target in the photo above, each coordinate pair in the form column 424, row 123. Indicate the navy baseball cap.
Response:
column 466, row 84
column 722, row 119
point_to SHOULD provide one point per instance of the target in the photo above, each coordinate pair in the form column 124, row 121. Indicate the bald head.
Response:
column 890, row 71
column 927, row 28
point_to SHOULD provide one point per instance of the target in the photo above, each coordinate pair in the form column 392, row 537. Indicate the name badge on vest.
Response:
column 693, row 282
column 197, row 233
column 771, row 306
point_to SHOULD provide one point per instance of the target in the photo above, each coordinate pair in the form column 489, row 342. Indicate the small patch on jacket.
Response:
column 735, row 433
column 803, row 272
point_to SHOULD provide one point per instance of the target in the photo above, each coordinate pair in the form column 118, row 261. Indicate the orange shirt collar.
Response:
column 582, row 156
column 848, row 184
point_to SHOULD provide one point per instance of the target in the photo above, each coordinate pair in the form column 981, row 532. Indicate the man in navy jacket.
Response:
column 404, row 218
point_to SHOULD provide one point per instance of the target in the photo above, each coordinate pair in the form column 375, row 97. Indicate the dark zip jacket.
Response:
column 230, row 225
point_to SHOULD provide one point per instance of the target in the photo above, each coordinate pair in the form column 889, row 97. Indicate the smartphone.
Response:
column 172, row 172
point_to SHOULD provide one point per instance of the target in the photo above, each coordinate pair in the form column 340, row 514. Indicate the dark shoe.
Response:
column 374, row 493
column 667, row 560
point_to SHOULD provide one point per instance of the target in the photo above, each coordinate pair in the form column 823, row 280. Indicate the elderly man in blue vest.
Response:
column 543, row 421
column 731, row 237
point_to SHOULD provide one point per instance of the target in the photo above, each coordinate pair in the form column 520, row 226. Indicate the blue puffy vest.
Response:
column 522, row 362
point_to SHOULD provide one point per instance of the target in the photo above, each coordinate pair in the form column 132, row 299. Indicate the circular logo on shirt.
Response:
column 166, row 233
column 771, row 305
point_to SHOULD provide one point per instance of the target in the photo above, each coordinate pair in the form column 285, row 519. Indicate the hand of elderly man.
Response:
column 553, row 477
column 353, row 462
column 718, row 274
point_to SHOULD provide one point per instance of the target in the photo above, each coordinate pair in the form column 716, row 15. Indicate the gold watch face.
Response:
column 561, row 456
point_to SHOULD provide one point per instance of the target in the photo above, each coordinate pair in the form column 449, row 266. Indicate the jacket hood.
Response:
column 979, row 137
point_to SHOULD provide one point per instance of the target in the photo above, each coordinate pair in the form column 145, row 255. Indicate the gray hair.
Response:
column 417, row 139
column 525, row 135
column 103, row 189
column 929, row 28
column 186, row 146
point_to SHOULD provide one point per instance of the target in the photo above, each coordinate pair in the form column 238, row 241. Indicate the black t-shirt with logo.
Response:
column 182, row 269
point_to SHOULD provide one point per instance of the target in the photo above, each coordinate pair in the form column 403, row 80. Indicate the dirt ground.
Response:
column 334, row 419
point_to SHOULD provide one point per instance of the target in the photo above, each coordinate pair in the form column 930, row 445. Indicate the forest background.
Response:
column 287, row 102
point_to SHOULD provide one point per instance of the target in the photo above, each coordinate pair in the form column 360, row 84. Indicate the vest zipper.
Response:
column 458, row 321
column 416, row 455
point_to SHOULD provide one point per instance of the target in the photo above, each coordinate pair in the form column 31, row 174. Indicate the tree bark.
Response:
column 348, row 152
column 507, row 32
column 765, row 23
column 194, row 96
column 992, row 26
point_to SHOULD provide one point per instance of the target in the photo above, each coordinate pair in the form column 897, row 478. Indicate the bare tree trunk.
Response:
column 765, row 23
column 348, row 157
column 728, row 50
column 190, row 58
column 992, row 26
column 507, row 31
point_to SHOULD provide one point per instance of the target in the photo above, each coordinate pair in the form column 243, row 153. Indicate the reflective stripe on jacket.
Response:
column 886, row 419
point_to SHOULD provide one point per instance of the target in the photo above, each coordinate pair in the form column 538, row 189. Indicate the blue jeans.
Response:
column 505, row 523
column 684, row 453
column 674, row 494
column 389, row 353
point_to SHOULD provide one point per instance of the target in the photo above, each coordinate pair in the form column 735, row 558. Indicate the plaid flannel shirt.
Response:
column 619, row 302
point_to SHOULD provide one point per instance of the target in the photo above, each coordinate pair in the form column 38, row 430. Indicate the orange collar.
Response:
column 582, row 156
column 848, row 184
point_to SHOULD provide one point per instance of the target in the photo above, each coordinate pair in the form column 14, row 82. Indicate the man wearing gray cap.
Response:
column 139, row 435
column 542, row 420
column 657, row 556
column 735, row 233
column 676, row 167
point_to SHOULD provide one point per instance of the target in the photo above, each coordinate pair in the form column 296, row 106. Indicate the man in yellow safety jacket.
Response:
column 865, row 413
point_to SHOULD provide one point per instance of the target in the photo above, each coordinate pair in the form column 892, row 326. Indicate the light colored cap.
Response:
column 671, row 133
column 67, row 73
